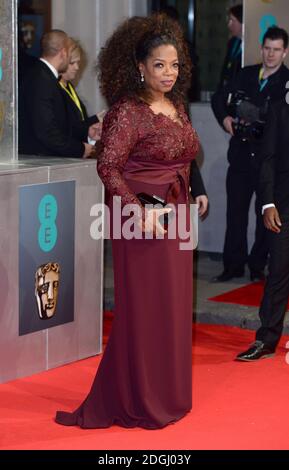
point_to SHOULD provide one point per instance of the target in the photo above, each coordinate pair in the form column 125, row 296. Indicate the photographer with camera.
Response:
column 241, row 109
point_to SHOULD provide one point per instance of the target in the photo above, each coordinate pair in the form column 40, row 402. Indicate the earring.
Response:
column 142, row 77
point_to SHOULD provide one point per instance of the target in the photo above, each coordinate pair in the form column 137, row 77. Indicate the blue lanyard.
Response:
column 262, row 82
column 236, row 49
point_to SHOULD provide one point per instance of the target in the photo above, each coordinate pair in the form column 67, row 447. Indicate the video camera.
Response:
column 250, row 120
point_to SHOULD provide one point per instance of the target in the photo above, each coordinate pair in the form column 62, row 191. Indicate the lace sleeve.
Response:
column 119, row 136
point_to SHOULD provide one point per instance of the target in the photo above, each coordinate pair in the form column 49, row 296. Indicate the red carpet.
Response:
column 235, row 405
column 249, row 295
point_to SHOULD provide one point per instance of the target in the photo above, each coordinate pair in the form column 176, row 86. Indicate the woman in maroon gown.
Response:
column 144, row 378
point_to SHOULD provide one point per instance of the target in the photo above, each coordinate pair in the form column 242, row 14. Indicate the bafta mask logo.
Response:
column 46, row 289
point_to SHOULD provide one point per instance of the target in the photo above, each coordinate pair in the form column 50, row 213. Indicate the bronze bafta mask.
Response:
column 46, row 289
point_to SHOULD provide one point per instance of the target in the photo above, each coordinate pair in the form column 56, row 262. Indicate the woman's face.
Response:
column 72, row 68
column 161, row 69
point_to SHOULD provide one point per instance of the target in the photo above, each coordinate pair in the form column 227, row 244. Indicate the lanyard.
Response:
column 262, row 82
column 236, row 50
column 72, row 93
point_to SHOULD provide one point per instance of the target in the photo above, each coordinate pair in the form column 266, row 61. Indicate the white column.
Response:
column 8, row 80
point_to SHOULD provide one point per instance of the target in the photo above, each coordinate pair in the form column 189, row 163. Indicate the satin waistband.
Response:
column 169, row 172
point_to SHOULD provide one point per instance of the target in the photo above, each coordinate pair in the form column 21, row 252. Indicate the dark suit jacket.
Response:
column 196, row 181
column 25, row 63
column 232, row 63
column 45, row 127
column 274, row 159
column 79, row 126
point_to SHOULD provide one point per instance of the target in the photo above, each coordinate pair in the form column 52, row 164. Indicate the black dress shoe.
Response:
column 257, row 275
column 258, row 350
column 227, row 275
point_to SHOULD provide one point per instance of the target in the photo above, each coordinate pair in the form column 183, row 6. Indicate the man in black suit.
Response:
column 44, row 124
column 233, row 60
column 259, row 83
column 274, row 192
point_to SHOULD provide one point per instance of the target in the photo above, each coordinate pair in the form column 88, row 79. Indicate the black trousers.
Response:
column 241, row 185
column 276, row 293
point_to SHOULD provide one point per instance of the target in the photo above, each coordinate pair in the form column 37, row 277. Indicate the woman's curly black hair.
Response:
column 132, row 43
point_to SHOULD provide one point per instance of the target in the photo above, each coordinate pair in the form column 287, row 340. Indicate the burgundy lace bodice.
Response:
column 132, row 130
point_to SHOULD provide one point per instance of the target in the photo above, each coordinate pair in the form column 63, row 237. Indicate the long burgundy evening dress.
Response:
column 144, row 378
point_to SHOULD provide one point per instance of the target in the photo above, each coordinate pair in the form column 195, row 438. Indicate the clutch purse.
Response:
column 145, row 198
column 150, row 199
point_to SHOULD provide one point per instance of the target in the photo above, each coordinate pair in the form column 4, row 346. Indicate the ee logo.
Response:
column 47, row 214
column 1, row 69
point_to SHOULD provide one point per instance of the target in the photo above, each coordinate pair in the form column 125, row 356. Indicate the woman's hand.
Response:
column 202, row 202
column 151, row 224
